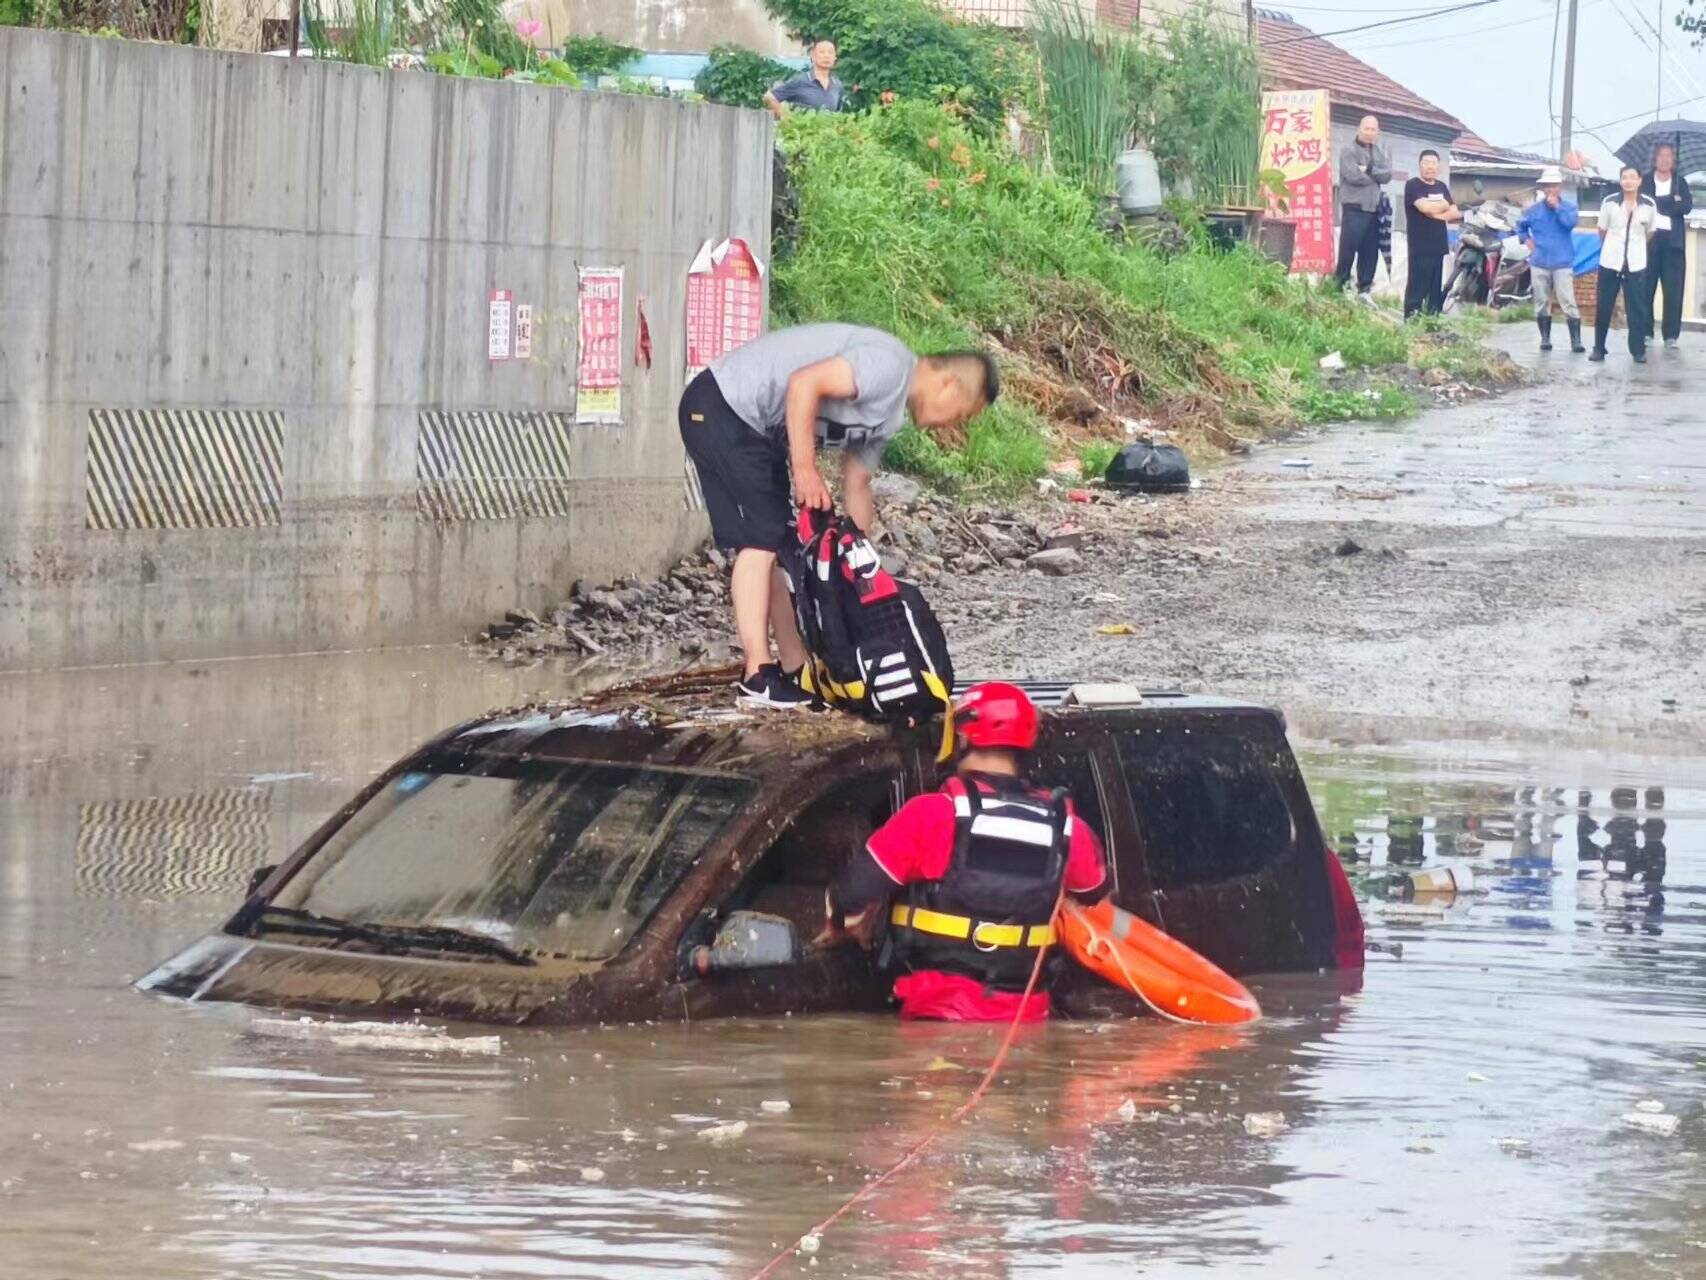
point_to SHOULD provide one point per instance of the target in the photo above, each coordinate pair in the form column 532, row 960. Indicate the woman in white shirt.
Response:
column 1626, row 222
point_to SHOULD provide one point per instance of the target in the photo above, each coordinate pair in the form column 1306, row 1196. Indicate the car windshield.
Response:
column 559, row 857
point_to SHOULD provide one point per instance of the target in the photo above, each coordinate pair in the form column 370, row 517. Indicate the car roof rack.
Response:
column 1082, row 693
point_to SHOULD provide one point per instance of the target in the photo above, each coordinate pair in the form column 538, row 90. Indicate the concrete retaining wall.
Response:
column 235, row 284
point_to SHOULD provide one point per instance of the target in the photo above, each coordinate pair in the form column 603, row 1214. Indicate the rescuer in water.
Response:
column 982, row 864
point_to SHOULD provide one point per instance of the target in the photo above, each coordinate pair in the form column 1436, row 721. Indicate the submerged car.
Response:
column 649, row 853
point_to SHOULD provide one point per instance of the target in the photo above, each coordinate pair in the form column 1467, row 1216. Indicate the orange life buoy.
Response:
column 1161, row 971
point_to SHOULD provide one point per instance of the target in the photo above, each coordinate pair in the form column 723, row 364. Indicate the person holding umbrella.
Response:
column 1666, row 152
column 1667, row 258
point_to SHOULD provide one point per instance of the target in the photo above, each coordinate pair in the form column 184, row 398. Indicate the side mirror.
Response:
column 748, row 940
column 258, row 877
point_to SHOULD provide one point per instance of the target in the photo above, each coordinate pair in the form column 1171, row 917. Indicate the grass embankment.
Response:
column 910, row 222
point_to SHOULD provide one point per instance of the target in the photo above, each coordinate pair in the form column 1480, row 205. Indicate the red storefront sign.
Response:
column 1297, row 140
column 725, row 301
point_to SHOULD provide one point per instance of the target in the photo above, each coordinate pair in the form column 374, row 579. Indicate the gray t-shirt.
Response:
column 754, row 381
column 804, row 91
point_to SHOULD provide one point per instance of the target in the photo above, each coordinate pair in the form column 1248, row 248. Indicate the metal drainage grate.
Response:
column 493, row 466
column 183, row 468
column 173, row 846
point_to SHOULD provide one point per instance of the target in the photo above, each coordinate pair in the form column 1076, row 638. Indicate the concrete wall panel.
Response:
column 182, row 230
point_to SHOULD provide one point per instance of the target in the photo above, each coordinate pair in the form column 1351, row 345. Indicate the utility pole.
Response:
column 1569, row 84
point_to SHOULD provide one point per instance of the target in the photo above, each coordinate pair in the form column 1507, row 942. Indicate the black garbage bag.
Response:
column 1148, row 468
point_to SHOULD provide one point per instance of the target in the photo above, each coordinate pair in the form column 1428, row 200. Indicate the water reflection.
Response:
column 1476, row 1083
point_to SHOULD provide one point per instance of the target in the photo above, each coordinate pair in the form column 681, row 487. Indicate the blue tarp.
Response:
column 1587, row 251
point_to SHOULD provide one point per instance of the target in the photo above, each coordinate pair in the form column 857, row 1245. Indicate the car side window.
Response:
column 1072, row 767
column 1210, row 800
column 791, row 875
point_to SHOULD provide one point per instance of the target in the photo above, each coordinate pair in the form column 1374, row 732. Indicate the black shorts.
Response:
column 744, row 474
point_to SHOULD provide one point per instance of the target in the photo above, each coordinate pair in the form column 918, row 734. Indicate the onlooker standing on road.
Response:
column 814, row 89
column 1547, row 225
column 1668, row 261
column 1364, row 168
column 1627, row 221
column 1427, row 208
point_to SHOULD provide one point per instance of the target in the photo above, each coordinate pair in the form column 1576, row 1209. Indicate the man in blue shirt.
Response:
column 815, row 89
column 1548, row 225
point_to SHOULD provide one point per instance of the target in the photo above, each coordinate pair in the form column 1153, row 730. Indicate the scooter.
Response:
column 1513, row 282
column 1480, row 246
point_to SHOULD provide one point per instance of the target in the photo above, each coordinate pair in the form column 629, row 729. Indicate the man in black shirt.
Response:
column 1427, row 208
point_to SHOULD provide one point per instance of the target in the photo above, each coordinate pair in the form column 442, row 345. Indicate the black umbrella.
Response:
column 1687, row 136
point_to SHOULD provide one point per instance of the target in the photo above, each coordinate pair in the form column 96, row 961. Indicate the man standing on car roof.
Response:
column 983, row 862
column 756, row 417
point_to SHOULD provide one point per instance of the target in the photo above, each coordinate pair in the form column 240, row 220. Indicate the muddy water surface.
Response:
column 1462, row 1113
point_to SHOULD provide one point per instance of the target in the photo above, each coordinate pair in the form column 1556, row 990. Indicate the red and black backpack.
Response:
column 873, row 644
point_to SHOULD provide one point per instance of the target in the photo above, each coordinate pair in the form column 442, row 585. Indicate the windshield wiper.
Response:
column 394, row 939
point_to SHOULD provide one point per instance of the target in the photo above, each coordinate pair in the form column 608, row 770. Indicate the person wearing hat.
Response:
column 1548, row 226
column 975, row 871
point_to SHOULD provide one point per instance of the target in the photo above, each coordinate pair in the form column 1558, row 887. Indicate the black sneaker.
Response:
column 770, row 688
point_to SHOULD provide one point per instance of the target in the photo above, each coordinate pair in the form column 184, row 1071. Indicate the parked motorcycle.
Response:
column 1481, row 247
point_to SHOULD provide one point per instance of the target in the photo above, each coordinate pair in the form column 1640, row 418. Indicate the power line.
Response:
column 1682, row 72
column 1466, row 31
column 1388, row 22
column 1606, row 124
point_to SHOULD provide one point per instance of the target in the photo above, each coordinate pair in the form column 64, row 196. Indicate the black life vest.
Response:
column 994, row 906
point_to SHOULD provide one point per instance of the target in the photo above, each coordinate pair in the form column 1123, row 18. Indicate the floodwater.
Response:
column 1462, row 1112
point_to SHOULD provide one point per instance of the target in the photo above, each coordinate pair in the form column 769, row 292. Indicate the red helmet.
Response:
column 995, row 714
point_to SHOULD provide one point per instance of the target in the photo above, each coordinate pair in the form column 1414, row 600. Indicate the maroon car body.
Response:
column 569, row 863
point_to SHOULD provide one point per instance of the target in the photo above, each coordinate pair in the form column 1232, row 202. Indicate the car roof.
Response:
column 688, row 721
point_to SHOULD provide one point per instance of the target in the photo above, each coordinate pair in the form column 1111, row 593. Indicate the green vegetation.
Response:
column 1093, row 459
column 1089, row 71
column 913, row 222
column 737, row 77
column 912, row 49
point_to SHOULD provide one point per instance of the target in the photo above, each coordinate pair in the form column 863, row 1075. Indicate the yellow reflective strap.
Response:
column 979, row 932
column 933, row 682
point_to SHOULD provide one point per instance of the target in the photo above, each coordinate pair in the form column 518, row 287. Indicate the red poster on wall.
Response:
column 1297, row 132
column 725, row 301
column 598, row 383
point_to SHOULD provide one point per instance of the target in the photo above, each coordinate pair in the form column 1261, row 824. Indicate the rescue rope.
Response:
column 929, row 1139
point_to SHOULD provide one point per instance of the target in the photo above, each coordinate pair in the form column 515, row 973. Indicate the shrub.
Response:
column 737, row 77
column 912, row 49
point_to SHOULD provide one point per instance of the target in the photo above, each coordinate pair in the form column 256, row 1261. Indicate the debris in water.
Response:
column 411, row 1036
column 1652, row 1106
column 155, row 1144
column 1297, row 462
column 1660, row 1126
column 1127, row 1111
column 943, row 1064
column 1265, row 1124
column 592, row 1173
column 1349, row 547
column 810, row 1244
column 776, row 1106
column 1475, row 1077
column 721, row 1133
column 1420, row 1149
column 1514, row 1146
column 1116, row 629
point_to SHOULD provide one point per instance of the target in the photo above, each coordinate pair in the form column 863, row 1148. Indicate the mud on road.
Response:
column 1531, row 563
column 1535, row 562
